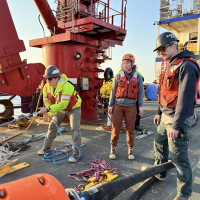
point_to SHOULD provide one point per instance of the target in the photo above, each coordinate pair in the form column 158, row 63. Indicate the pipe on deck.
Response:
column 104, row 192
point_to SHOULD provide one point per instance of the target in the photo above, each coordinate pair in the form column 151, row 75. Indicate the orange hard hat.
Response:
column 128, row 57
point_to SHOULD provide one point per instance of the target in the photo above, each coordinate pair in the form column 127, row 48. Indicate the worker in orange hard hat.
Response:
column 138, row 117
column 127, row 89
column 129, row 57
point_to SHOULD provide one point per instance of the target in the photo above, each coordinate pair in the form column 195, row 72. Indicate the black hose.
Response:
column 41, row 25
column 111, row 189
column 142, row 187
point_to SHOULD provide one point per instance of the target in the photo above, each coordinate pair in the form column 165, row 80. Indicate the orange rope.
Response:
column 91, row 122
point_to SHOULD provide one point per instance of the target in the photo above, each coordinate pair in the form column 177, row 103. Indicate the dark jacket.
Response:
column 187, row 76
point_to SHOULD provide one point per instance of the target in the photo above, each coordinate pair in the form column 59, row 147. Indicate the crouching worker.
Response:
column 61, row 100
column 127, row 89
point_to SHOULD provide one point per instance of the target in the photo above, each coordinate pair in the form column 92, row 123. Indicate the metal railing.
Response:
column 190, row 45
column 178, row 10
column 104, row 15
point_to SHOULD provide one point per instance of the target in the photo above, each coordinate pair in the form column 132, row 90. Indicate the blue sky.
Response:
column 140, row 39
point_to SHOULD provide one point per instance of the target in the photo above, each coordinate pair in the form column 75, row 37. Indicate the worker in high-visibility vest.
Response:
column 127, row 89
column 61, row 101
column 177, row 95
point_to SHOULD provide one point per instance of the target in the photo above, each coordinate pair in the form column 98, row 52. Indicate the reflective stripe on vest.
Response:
column 122, row 74
column 65, row 97
column 46, row 99
column 175, row 67
column 62, row 97
column 168, row 85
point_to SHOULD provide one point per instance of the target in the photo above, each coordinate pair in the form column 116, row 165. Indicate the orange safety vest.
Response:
column 122, row 87
column 72, row 99
column 168, row 85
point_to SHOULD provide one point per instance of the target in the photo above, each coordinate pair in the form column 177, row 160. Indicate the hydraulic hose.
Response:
column 52, row 154
column 142, row 187
column 104, row 192
column 47, row 156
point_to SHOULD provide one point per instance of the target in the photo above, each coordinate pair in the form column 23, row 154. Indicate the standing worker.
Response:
column 138, row 117
column 177, row 94
column 61, row 100
column 127, row 89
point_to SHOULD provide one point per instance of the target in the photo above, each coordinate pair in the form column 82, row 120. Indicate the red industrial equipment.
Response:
column 16, row 76
column 38, row 186
column 79, row 36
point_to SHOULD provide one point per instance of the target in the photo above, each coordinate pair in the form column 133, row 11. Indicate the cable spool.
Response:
column 151, row 92
column 8, row 112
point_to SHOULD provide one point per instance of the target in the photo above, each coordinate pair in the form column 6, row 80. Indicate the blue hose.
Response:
column 19, row 119
column 47, row 156
column 52, row 154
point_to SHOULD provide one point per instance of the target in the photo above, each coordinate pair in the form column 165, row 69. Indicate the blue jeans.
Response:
column 177, row 149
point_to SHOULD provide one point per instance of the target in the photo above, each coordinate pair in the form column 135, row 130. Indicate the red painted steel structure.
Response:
column 49, row 19
column 86, row 33
column 77, row 27
column 16, row 76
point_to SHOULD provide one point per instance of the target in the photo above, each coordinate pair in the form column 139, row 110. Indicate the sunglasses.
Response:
column 162, row 49
column 50, row 79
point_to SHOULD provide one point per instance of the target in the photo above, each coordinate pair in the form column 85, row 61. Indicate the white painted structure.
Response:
column 181, row 17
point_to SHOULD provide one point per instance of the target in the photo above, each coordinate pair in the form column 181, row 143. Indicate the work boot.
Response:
column 137, row 128
column 130, row 153
column 181, row 198
column 43, row 151
column 74, row 159
column 112, row 153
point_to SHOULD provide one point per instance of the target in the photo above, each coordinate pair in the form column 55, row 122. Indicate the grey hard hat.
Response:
column 52, row 71
column 165, row 38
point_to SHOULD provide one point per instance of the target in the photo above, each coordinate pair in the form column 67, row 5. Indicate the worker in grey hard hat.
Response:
column 52, row 71
column 164, row 40
column 52, row 75
column 177, row 95
column 61, row 101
